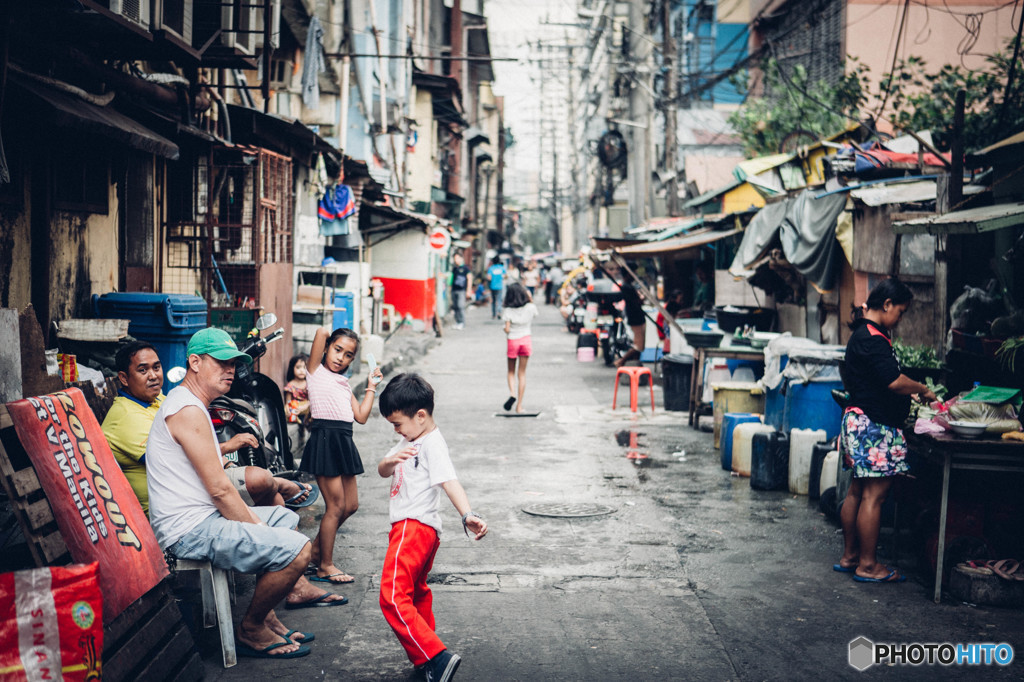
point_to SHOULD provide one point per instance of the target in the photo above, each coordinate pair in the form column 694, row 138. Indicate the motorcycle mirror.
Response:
column 175, row 374
column 266, row 321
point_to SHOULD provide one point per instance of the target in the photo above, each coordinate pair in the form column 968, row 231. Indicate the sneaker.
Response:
column 441, row 668
column 460, row 326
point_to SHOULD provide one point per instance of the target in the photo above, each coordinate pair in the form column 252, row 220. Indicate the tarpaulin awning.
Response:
column 971, row 221
column 65, row 110
column 904, row 193
column 690, row 241
column 806, row 229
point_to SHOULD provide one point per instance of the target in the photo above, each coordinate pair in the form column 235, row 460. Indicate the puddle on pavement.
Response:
column 628, row 437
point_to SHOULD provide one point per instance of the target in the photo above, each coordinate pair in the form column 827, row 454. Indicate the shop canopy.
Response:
column 806, row 230
column 675, row 246
column 971, row 221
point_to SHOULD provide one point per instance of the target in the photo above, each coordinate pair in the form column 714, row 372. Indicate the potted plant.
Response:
column 918, row 362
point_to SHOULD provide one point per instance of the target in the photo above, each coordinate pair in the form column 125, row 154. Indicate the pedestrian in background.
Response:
column 330, row 453
column 555, row 279
column 518, row 315
column 296, row 401
column 462, row 283
column 419, row 467
column 531, row 278
column 496, row 283
column 871, row 441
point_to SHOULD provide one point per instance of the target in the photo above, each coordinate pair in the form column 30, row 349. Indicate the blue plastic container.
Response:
column 730, row 420
column 810, row 406
column 165, row 320
column 344, row 310
column 775, row 400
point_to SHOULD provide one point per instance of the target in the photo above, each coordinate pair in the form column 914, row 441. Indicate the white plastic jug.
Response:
column 801, row 445
column 742, row 442
column 829, row 471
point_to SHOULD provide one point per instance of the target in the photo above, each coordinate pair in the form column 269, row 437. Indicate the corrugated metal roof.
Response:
column 690, row 241
column 971, row 221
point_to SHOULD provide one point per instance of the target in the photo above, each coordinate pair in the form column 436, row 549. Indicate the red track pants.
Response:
column 405, row 598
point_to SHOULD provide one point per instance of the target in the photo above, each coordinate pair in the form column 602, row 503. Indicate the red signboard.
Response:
column 439, row 239
column 96, row 510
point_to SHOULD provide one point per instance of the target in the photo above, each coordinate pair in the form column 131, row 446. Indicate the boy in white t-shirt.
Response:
column 419, row 467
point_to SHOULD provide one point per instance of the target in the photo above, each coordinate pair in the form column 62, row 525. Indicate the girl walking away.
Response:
column 330, row 454
column 296, row 401
column 518, row 314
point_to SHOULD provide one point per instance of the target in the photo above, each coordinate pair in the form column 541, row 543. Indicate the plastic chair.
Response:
column 634, row 374
column 216, row 604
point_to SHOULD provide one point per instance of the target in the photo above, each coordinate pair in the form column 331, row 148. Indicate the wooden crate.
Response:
column 149, row 639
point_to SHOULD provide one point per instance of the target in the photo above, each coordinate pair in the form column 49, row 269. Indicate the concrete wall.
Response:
column 420, row 164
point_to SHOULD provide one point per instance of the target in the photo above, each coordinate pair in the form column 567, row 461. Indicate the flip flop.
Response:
column 893, row 577
column 509, row 403
column 839, row 568
column 307, row 637
column 1005, row 568
column 974, row 568
column 247, row 651
column 327, row 579
column 311, row 496
column 319, row 601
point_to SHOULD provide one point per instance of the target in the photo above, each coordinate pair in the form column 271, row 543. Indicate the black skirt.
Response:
column 330, row 451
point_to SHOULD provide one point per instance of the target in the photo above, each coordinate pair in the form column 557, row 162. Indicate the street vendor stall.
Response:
column 951, row 452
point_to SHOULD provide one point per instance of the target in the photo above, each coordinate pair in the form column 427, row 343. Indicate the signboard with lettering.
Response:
column 98, row 514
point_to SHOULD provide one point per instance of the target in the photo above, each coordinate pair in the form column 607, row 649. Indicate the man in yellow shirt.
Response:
column 130, row 418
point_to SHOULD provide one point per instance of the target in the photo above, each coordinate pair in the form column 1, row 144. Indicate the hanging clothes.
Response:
column 335, row 208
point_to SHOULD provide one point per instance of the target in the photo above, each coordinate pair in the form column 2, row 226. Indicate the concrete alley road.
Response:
column 692, row 575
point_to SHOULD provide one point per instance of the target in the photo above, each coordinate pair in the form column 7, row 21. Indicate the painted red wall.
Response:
column 416, row 297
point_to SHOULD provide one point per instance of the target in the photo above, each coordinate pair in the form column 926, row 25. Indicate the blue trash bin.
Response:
column 165, row 320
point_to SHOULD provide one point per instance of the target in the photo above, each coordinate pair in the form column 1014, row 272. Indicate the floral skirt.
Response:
column 872, row 450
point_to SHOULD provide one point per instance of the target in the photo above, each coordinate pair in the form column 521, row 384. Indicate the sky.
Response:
column 512, row 26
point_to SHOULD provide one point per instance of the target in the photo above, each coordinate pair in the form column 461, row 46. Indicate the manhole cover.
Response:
column 569, row 511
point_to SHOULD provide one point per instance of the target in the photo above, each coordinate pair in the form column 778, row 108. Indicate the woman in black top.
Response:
column 871, row 442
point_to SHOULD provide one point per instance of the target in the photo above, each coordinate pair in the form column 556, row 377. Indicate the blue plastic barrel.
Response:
column 167, row 321
column 730, row 420
column 344, row 310
column 811, row 406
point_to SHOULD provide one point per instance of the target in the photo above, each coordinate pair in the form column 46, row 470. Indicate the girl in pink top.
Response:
column 330, row 454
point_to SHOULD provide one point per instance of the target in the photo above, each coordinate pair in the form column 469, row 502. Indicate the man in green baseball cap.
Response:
column 197, row 513
column 216, row 343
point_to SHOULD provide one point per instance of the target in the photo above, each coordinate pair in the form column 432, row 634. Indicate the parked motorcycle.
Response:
column 612, row 332
column 254, row 405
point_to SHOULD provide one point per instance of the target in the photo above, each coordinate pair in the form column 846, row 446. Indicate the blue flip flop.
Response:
column 319, row 601
column 247, row 651
column 891, row 578
column 307, row 637
column 839, row 568
column 314, row 494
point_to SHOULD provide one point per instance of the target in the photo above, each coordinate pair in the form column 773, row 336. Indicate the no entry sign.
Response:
column 439, row 239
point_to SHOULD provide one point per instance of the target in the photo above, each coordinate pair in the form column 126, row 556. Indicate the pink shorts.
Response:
column 519, row 348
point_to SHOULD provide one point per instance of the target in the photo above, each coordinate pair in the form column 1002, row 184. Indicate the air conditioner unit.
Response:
column 238, row 21
column 136, row 11
column 174, row 17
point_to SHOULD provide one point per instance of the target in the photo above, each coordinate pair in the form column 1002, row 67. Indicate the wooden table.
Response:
column 951, row 452
column 697, row 379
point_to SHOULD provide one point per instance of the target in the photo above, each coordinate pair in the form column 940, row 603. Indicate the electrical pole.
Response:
column 639, row 112
column 668, row 50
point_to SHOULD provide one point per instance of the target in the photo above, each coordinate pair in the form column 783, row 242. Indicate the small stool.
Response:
column 634, row 374
column 216, row 603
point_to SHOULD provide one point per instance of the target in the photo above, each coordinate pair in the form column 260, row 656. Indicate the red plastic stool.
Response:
column 634, row 386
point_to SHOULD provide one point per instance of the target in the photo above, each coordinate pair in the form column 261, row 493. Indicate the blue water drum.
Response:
column 730, row 420
column 769, row 461
column 811, row 406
